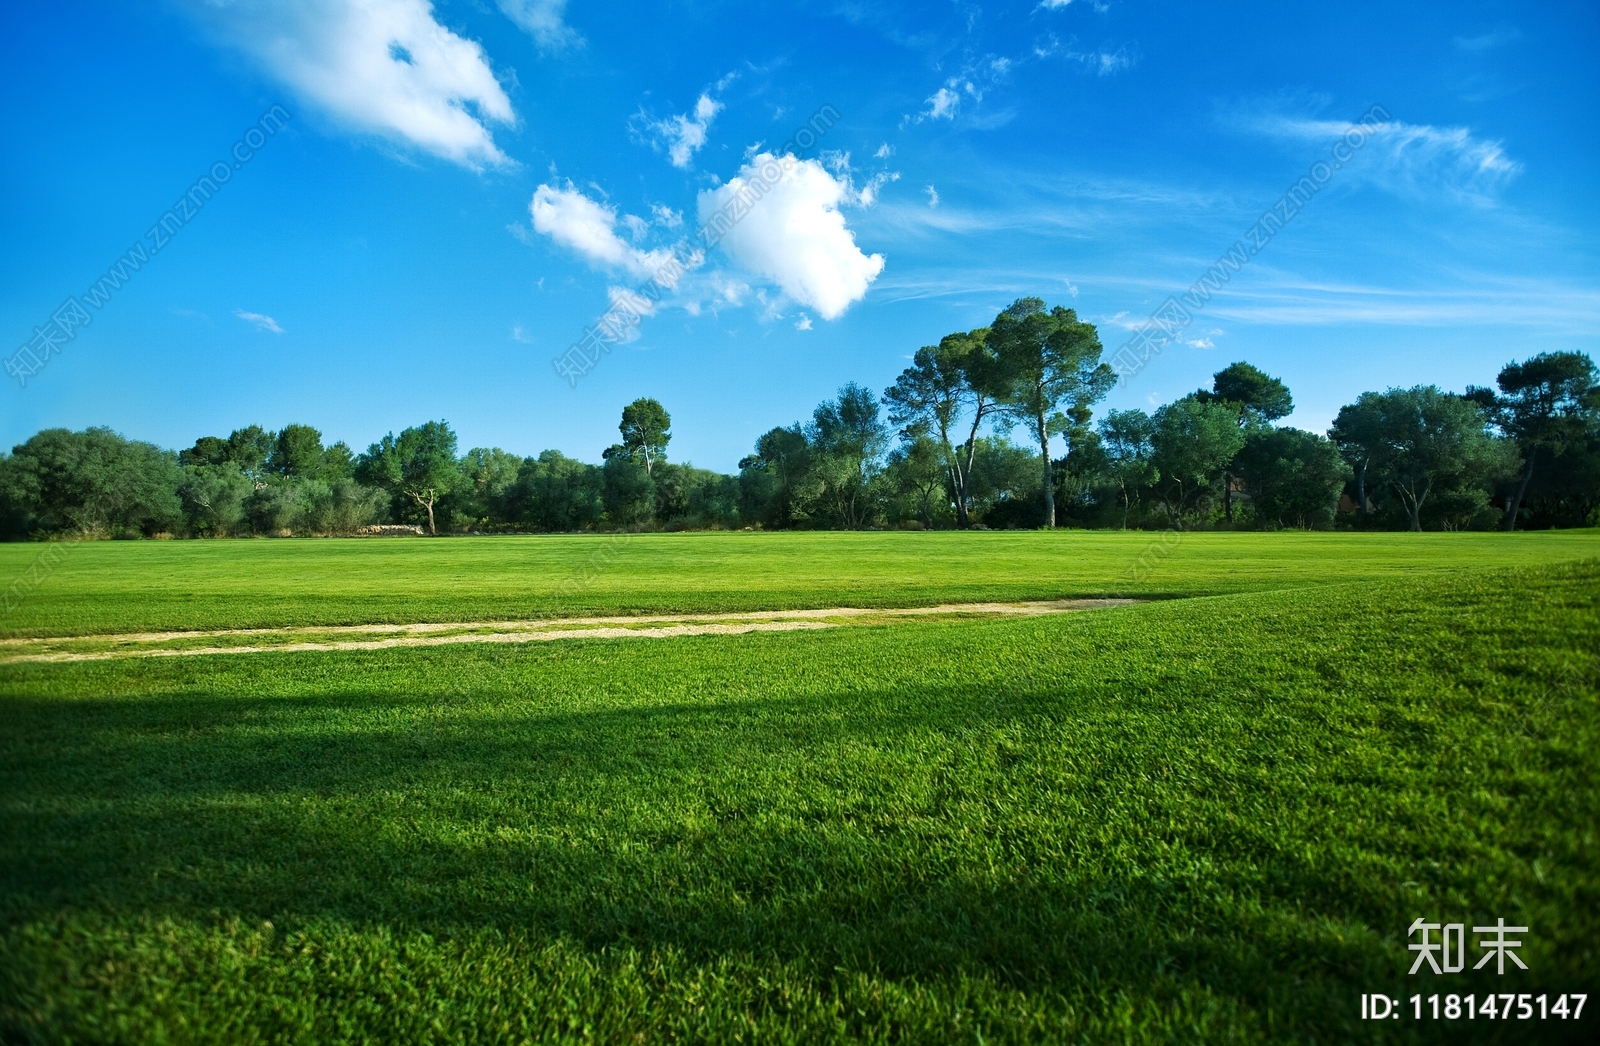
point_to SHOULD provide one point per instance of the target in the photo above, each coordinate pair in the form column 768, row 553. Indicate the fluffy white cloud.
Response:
column 682, row 135
column 588, row 227
column 385, row 67
column 542, row 20
column 795, row 235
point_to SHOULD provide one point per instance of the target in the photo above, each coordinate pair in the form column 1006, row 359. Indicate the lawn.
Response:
column 126, row 586
column 1207, row 819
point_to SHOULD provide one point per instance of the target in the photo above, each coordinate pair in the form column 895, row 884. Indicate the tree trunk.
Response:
column 971, row 447
column 432, row 531
column 1522, row 488
column 1414, row 504
column 1361, row 490
column 1049, row 477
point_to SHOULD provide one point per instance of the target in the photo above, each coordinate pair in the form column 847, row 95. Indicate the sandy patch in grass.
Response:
column 180, row 644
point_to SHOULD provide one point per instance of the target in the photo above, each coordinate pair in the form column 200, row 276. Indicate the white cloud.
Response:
column 383, row 67
column 682, row 135
column 542, row 20
column 869, row 192
column 933, row 195
column 883, row 152
column 943, row 104
column 1054, row 5
column 795, row 235
column 1416, row 157
column 1488, row 41
column 637, row 226
column 803, row 323
column 1103, row 63
column 588, row 227
column 259, row 321
column 518, row 334
column 666, row 216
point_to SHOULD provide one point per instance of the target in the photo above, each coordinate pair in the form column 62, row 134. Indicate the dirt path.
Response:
column 56, row 649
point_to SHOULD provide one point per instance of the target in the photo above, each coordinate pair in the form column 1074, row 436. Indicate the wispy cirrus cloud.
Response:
column 1416, row 158
column 260, row 321
column 543, row 20
column 382, row 67
column 1487, row 41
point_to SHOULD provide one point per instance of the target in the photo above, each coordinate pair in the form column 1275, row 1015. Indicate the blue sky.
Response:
column 379, row 262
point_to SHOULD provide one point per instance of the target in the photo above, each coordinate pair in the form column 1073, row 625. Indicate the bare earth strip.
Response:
column 145, row 644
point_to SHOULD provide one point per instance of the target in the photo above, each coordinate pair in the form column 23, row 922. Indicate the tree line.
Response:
column 934, row 451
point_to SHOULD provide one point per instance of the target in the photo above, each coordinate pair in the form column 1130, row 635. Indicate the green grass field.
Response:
column 126, row 586
column 1202, row 819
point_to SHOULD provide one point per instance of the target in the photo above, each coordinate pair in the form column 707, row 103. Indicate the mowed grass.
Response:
column 126, row 586
column 1202, row 820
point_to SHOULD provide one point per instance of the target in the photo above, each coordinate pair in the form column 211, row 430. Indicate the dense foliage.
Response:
column 935, row 452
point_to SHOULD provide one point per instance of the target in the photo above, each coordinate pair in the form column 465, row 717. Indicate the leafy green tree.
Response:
column 1005, row 484
column 1358, row 432
column 1192, row 444
column 774, row 482
column 420, row 466
column 249, row 448
column 297, row 452
column 1257, row 395
column 847, row 439
column 1259, row 398
column 1044, row 360
column 918, row 476
column 646, row 431
column 1126, row 440
column 1426, row 440
column 94, row 483
column 1548, row 403
column 945, row 385
column 213, row 497
column 207, row 450
column 484, row 497
column 630, row 491
column 556, row 493
column 688, row 496
column 1295, row 477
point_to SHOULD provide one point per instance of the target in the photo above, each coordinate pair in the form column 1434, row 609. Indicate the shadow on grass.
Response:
column 787, row 829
